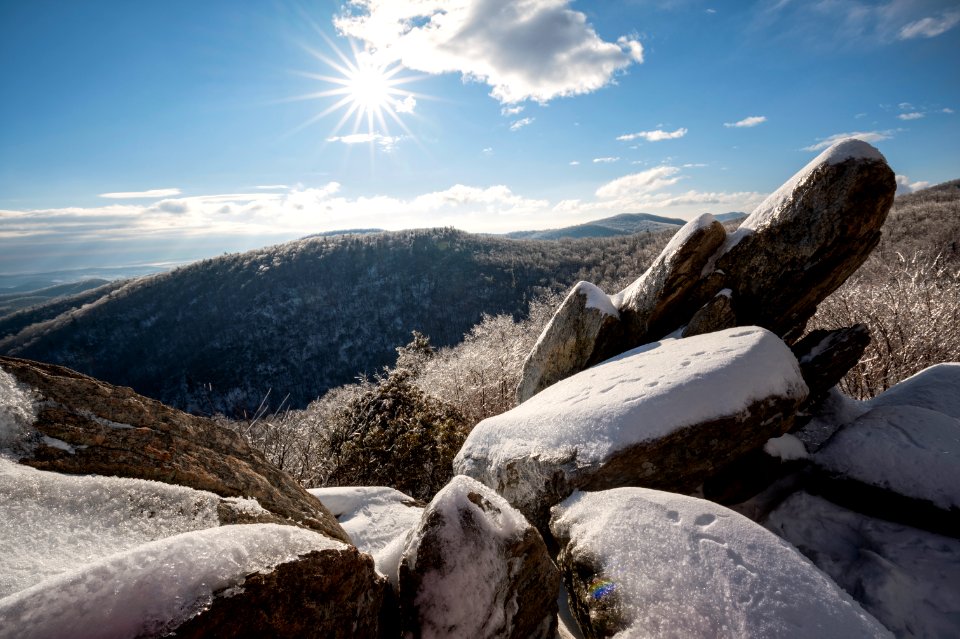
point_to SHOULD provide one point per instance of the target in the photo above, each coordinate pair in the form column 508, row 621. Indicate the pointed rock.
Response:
column 808, row 237
column 715, row 315
column 476, row 568
column 826, row 356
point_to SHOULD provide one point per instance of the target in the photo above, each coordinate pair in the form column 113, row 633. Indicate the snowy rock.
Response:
column 936, row 388
column 907, row 578
column 376, row 518
column 808, row 237
column 250, row 580
column 898, row 462
column 826, row 356
column 568, row 342
column 660, row 301
column 475, row 567
column 85, row 426
column 664, row 415
column 715, row 315
column 640, row 562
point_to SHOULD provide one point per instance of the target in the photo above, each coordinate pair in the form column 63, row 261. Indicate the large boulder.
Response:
column 897, row 462
column 259, row 580
column 57, row 419
column 808, row 237
column 569, row 340
column 664, row 415
column 908, row 578
column 639, row 562
column 474, row 567
column 936, row 388
column 826, row 356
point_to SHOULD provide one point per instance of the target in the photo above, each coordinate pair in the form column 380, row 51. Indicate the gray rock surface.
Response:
column 474, row 567
column 716, row 315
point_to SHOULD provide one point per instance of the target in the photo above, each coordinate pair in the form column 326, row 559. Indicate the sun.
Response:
column 366, row 89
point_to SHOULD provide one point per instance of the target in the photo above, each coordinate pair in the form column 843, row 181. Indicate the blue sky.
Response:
column 138, row 132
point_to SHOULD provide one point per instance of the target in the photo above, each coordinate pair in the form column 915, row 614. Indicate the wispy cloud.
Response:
column 647, row 181
column 866, row 136
column 747, row 122
column 574, row 162
column 930, row 27
column 913, row 115
column 904, row 185
column 522, row 122
column 947, row 110
column 273, row 187
column 512, row 110
column 606, row 160
column 653, row 136
column 534, row 50
column 385, row 142
column 141, row 195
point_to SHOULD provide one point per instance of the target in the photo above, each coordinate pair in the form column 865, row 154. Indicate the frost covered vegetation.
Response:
column 911, row 306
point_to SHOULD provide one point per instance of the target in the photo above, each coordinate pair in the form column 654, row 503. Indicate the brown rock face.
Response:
column 328, row 594
column 114, row 431
column 569, row 340
column 806, row 239
column 471, row 537
column 715, row 315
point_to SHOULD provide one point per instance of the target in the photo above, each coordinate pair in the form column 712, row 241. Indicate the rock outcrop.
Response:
column 648, row 563
column 796, row 248
column 474, row 567
column 665, row 415
column 826, row 356
column 85, row 426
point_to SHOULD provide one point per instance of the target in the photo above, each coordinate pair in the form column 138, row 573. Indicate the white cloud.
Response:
column 406, row 105
column 947, row 110
column 866, row 136
column 522, row 122
column 930, row 27
column 653, row 136
column 913, row 115
column 905, row 106
column 747, row 122
column 512, row 110
column 488, row 151
column 529, row 49
column 575, row 163
column 386, row 142
column 140, row 195
column 607, row 160
column 711, row 11
column 647, row 181
column 904, row 185
column 273, row 187
column 694, row 165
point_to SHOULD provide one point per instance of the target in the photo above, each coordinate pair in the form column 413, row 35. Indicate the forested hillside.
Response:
column 302, row 317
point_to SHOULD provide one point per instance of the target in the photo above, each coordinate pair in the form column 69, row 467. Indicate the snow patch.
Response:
column 909, row 450
column 685, row 567
column 152, row 588
column 787, row 447
column 908, row 578
column 596, row 299
column 936, row 388
column 18, row 413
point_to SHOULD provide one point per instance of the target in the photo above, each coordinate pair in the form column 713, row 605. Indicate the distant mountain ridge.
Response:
column 623, row 224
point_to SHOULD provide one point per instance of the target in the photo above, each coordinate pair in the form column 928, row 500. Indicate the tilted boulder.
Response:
column 645, row 563
column 259, row 580
column 808, row 237
column 716, row 315
column 568, row 342
column 826, row 356
column 474, row 567
column 84, row 426
column 665, row 415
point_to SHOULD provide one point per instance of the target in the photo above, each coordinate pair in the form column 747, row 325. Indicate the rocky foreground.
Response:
column 680, row 465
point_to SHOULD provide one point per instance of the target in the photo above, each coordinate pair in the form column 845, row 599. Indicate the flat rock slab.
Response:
column 474, row 567
column 936, row 388
column 664, row 415
column 645, row 563
column 81, row 425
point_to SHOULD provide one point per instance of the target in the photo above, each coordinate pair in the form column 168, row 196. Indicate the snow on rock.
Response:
column 835, row 410
column 936, row 388
column 153, row 587
column 17, row 415
column 640, row 562
column 53, row 523
column 662, row 414
column 376, row 518
column 907, row 578
column 911, row 451
column 569, row 340
column 474, row 567
column 787, row 447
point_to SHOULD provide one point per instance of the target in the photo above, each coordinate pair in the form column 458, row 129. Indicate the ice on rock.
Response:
column 149, row 589
column 17, row 415
column 911, row 451
column 651, row 563
column 908, row 578
column 376, row 518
